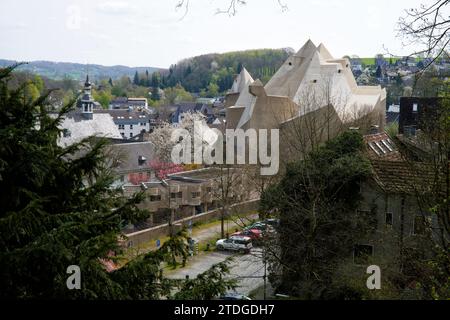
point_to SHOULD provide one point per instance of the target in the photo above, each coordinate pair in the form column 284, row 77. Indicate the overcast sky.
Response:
column 152, row 33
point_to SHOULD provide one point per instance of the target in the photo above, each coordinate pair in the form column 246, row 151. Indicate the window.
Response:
column 387, row 145
column 375, row 148
column 123, row 134
column 419, row 224
column 195, row 194
column 361, row 253
column 131, row 127
column 389, row 219
column 414, row 107
column 380, row 147
column 66, row 133
column 121, row 126
column 131, row 134
column 155, row 198
column 208, row 189
column 173, row 195
column 180, row 195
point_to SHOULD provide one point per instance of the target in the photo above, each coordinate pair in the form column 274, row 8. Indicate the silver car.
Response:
column 236, row 243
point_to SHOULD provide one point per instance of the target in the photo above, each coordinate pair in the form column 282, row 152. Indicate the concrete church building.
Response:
column 311, row 97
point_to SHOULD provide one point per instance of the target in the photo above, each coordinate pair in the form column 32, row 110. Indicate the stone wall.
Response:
column 138, row 238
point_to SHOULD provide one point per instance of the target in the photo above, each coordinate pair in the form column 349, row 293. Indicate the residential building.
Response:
column 126, row 103
column 190, row 107
column 415, row 113
column 132, row 162
column 392, row 195
column 393, row 113
column 87, row 120
column 182, row 195
column 130, row 122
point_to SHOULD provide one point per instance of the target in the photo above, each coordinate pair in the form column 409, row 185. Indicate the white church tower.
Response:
column 87, row 102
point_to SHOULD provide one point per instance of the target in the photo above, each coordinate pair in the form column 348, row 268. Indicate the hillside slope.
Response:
column 77, row 71
column 197, row 73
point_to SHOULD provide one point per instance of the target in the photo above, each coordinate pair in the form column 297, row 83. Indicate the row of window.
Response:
column 122, row 126
column 381, row 147
column 123, row 134
column 419, row 225
column 175, row 195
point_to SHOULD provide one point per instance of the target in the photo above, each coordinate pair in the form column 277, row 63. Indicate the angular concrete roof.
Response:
column 241, row 82
column 313, row 70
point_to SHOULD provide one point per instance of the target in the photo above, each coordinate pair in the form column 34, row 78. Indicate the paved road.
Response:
column 242, row 266
column 214, row 231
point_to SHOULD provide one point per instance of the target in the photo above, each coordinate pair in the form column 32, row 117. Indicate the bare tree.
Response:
column 428, row 27
column 230, row 7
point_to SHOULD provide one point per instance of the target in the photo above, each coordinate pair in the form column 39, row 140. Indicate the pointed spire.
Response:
column 87, row 83
column 242, row 81
column 307, row 49
column 324, row 52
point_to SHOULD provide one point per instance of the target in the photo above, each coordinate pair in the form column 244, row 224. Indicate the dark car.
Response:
column 257, row 225
column 272, row 222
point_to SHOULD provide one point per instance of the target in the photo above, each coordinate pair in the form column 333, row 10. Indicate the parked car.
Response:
column 272, row 222
column 253, row 234
column 234, row 296
column 256, row 225
column 236, row 243
column 260, row 226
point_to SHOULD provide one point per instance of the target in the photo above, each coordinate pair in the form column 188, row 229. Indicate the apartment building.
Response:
column 185, row 194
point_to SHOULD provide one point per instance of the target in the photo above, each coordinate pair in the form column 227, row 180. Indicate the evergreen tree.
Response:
column 136, row 79
column 317, row 200
column 378, row 72
column 156, row 79
column 110, row 82
column 239, row 68
column 155, row 94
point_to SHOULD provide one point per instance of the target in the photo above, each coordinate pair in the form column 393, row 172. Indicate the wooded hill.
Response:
column 201, row 72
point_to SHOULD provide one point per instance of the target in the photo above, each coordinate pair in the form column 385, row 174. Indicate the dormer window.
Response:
column 66, row 133
column 141, row 160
